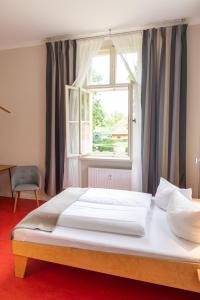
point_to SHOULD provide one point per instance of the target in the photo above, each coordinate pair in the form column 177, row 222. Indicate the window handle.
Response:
column 134, row 120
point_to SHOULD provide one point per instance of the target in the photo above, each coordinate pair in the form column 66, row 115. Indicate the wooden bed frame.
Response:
column 182, row 275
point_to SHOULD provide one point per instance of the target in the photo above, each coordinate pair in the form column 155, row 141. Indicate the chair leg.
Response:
column 17, row 195
column 36, row 198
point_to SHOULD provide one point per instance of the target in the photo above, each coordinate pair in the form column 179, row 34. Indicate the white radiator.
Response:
column 109, row 178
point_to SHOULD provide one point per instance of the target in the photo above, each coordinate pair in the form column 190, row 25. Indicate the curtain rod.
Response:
column 113, row 32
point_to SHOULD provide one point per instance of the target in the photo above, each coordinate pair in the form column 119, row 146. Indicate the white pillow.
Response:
column 184, row 217
column 164, row 190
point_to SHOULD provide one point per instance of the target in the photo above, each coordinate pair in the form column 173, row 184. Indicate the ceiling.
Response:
column 28, row 22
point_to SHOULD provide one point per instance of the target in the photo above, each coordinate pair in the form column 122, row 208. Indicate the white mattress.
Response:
column 158, row 241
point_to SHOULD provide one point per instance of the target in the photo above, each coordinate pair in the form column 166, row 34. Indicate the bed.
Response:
column 158, row 257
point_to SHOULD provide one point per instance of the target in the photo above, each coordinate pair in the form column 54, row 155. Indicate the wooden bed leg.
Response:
column 198, row 274
column 20, row 265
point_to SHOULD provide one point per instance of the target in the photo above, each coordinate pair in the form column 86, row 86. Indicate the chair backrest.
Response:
column 26, row 175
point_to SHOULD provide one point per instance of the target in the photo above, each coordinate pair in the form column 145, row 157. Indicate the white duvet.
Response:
column 123, row 219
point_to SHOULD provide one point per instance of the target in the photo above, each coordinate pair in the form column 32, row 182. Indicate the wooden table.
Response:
column 7, row 168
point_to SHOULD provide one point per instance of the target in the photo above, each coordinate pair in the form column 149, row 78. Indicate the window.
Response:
column 110, row 121
column 100, row 115
column 122, row 75
column 73, row 120
column 99, row 73
column 86, row 121
column 79, row 120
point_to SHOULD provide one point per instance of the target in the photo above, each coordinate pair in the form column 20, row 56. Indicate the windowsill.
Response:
column 105, row 158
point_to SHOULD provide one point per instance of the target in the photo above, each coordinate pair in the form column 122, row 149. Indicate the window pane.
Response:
column 73, row 137
column 110, row 122
column 85, row 137
column 85, row 122
column 100, row 70
column 73, row 105
column 122, row 74
column 85, row 106
column 72, row 120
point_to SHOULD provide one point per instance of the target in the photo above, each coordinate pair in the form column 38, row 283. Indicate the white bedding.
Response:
column 158, row 241
column 105, row 217
column 116, row 197
column 184, row 217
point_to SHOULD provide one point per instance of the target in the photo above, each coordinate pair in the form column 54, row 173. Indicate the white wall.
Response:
column 22, row 90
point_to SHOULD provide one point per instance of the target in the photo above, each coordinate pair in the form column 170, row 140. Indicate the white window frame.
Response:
column 129, row 88
column 68, row 153
column 99, row 88
column 116, row 86
column 81, row 90
column 79, row 121
column 113, row 73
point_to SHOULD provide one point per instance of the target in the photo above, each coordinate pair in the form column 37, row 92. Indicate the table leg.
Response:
column 10, row 182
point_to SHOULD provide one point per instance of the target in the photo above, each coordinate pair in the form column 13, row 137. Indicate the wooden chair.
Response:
column 25, row 178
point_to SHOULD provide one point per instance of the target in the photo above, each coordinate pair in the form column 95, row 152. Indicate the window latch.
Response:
column 134, row 120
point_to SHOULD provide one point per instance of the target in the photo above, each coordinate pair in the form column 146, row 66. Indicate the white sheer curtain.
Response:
column 125, row 44
column 86, row 50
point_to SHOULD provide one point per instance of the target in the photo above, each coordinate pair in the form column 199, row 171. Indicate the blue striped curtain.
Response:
column 60, row 70
column 163, row 100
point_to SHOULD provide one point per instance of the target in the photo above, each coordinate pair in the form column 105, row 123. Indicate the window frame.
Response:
column 100, row 88
column 91, row 86
column 81, row 90
column 115, row 86
column 113, row 73
column 67, row 152
column 79, row 121
column 129, row 88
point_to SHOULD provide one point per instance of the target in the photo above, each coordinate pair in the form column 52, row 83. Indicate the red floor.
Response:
column 51, row 281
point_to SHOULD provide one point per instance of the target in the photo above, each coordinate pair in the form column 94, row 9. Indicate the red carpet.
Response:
column 50, row 281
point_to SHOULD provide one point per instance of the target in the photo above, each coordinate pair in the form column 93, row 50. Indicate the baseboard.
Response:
column 26, row 195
